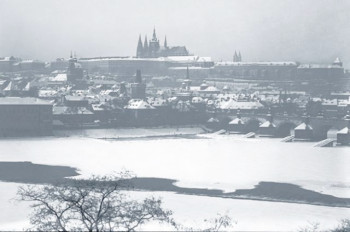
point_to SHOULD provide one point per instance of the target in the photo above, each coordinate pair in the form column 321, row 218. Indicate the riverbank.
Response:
column 130, row 133
column 29, row 173
column 227, row 163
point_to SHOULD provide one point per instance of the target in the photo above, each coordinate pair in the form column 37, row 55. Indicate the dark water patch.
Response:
column 290, row 193
column 264, row 191
column 27, row 172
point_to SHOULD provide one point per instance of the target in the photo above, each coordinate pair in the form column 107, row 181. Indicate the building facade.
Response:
column 25, row 117
column 153, row 49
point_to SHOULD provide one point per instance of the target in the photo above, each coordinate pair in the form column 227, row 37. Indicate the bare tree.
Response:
column 96, row 204
column 344, row 226
column 312, row 227
column 222, row 222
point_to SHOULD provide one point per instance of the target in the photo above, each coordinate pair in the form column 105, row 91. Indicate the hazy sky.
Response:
column 263, row 30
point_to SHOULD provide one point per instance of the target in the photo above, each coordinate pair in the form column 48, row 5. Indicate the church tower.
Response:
column 139, row 51
column 165, row 43
column 74, row 71
column 235, row 57
column 154, row 45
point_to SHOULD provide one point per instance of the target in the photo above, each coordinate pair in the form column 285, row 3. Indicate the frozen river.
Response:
column 226, row 162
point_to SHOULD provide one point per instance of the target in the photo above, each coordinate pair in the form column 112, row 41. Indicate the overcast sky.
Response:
column 263, row 30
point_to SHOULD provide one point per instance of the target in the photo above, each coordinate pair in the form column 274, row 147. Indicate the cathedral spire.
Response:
column 139, row 48
column 154, row 38
column 239, row 57
column 165, row 43
column 145, row 44
column 235, row 57
column 145, row 47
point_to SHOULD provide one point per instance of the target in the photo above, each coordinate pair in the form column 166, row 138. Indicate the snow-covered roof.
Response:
column 9, row 87
column 22, row 101
column 138, row 104
column 75, row 98
column 188, row 59
column 213, row 120
column 197, row 100
column 157, row 102
column 236, row 121
column 31, row 61
column 318, row 66
column 179, row 59
column 343, row 131
column 210, row 89
column 303, row 126
column 337, row 61
column 265, row 63
column 190, row 68
column 27, row 87
column 70, row 110
column 47, row 93
column 232, row 104
column 267, row 124
column 61, row 77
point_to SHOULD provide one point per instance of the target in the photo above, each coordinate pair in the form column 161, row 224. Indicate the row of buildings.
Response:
column 155, row 59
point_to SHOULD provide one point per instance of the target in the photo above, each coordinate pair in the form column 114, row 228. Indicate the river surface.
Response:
column 226, row 162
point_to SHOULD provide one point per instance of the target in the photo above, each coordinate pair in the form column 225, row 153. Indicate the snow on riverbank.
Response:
column 222, row 162
column 129, row 132
column 191, row 211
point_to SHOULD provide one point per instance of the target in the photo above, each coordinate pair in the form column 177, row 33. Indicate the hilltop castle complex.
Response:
column 152, row 49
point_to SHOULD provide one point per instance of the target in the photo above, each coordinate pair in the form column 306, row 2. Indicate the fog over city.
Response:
column 181, row 115
column 305, row 31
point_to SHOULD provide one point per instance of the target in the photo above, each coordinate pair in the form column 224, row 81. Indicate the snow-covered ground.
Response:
column 191, row 211
column 223, row 162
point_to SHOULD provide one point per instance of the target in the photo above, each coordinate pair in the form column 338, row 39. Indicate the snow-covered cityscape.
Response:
column 174, row 115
